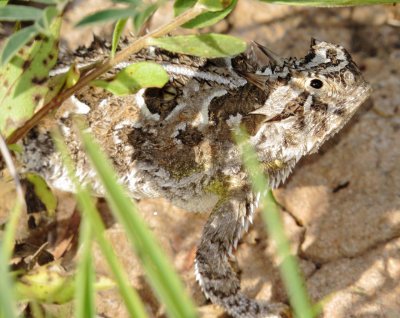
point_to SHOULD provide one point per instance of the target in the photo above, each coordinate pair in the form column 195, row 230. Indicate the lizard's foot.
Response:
column 275, row 310
column 214, row 272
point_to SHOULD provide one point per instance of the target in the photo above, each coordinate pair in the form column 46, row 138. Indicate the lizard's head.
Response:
column 308, row 100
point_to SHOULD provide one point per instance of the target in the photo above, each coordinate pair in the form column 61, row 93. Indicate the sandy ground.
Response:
column 341, row 207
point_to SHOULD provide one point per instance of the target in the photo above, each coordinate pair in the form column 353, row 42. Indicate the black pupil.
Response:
column 316, row 83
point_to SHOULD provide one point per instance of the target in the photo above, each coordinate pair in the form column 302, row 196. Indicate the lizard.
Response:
column 176, row 141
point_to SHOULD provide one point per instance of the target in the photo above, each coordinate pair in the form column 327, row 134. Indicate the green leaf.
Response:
column 85, row 275
column 46, row 284
column 182, row 5
column 43, row 24
column 23, row 81
column 15, row 42
column 331, row 3
column 215, row 5
column 8, row 239
column 107, row 15
column 49, row 1
column 16, row 148
column 159, row 270
column 204, row 19
column 19, row 13
column 205, row 45
column 72, row 76
column 119, row 27
column 135, row 2
column 8, row 305
column 210, row 18
column 43, row 192
column 141, row 17
column 87, row 206
column 134, row 77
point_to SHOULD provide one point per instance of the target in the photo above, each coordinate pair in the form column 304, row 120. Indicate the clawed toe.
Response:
column 276, row 310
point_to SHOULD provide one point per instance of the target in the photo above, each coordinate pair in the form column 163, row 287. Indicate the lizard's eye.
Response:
column 316, row 83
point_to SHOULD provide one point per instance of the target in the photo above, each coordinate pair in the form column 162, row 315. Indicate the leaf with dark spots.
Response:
column 25, row 75
column 15, row 42
column 39, row 80
column 26, row 64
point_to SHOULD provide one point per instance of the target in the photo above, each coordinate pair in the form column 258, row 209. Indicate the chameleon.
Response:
column 176, row 142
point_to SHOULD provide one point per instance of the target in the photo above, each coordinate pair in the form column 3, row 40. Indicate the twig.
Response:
column 11, row 168
column 20, row 205
column 104, row 67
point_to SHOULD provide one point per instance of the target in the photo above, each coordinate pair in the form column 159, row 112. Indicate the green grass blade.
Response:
column 19, row 13
column 7, row 299
column 11, row 227
column 106, row 15
column 289, row 268
column 159, row 271
column 331, row 3
column 119, row 27
column 130, row 297
column 85, row 276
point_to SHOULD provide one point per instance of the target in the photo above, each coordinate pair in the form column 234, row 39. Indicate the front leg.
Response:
column 225, row 226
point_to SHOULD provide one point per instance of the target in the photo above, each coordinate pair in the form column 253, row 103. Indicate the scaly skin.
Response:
column 176, row 142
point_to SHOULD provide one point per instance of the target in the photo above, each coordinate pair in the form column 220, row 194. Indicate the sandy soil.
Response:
column 341, row 207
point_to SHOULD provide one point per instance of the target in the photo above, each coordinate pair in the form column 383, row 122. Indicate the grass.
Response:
column 160, row 273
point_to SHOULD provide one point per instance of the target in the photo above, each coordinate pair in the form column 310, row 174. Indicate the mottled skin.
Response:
column 176, row 142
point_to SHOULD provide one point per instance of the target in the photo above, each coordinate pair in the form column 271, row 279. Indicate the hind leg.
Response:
column 219, row 282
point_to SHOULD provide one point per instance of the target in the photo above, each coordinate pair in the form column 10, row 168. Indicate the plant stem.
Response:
column 102, row 68
column 20, row 206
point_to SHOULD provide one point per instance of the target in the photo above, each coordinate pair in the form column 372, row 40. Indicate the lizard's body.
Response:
column 176, row 142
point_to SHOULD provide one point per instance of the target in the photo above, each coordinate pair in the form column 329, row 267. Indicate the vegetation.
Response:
column 32, row 51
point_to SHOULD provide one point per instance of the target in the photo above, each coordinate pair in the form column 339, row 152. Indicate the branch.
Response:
column 103, row 68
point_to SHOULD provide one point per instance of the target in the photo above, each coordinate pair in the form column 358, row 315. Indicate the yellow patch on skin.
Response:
column 184, row 172
column 274, row 164
column 217, row 187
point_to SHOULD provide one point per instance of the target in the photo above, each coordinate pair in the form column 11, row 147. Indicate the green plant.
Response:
column 29, row 98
